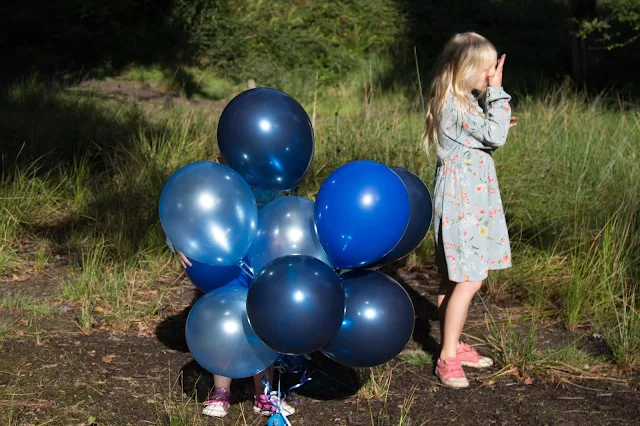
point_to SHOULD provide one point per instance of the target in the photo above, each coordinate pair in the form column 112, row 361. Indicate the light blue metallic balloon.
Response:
column 285, row 227
column 220, row 337
column 209, row 213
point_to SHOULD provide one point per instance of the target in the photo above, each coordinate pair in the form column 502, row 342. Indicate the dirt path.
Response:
column 51, row 372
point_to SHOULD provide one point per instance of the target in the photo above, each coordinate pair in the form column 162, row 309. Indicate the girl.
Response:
column 470, row 228
column 217, row 405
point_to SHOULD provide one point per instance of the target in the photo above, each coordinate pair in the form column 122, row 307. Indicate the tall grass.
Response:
column 569, row 176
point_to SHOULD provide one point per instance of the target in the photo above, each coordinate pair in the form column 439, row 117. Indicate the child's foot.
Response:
column 469, row 357
column 264, row 404
column 218, row 403
column 451, row 374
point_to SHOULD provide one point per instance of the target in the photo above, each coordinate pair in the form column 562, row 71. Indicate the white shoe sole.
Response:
column 290, row 411
column 457, row 383
column 214, row 412
column 483, row 363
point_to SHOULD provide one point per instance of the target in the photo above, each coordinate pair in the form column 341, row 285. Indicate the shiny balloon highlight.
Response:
column 285, row 227
column 378, row 321
column 209, row 213
column 296, row 304
column 220, row 338
column 361, row 213
column 266, row 136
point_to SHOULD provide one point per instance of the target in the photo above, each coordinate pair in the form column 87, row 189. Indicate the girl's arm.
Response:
column 472, row 129
column 492, row 129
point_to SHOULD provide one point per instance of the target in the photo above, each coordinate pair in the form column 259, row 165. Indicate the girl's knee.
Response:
column 472, row 286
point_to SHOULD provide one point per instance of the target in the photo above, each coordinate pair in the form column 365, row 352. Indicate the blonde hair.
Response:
column 464, row 56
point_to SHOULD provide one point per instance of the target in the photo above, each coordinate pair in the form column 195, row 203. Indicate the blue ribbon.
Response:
column 291, row 363
column 276, row 398
column 246, row 270
column 303, row 379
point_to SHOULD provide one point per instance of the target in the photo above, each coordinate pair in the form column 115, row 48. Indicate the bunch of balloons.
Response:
column 297, row 276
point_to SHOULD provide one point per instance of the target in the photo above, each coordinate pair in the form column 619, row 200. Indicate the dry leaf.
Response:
column 491, row 383
column 20, row 278
column 99, row 309
column 528, row 380
column 108, row 358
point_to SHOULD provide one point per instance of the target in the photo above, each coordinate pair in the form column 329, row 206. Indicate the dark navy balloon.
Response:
column 419, row 217
column 266, row 136
column 209, row 277
column 220, row 338
column 378, row 320
column 361, row 212
column 209, row 213
column 296, row 304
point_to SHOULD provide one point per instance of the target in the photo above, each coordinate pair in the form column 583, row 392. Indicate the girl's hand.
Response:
column 495, row 79
column 513, row 122
column 183, row 259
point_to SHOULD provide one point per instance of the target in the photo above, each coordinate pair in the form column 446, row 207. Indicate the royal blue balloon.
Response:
column 285, row 227
column 220, row 338
column 361, row 212
column 419, row 217
column 296, row 304
column 209, row 213
column 209, row 277
column 266, row 136
column 378, row 321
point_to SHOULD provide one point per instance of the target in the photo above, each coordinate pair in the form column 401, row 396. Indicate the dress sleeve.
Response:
column 475, row 130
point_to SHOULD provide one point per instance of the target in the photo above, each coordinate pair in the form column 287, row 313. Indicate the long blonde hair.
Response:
column 464, row 56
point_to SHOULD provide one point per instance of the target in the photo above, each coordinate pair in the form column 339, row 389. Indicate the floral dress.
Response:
column 470, row 228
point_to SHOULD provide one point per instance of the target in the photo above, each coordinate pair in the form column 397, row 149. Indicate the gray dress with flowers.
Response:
column 470, row 228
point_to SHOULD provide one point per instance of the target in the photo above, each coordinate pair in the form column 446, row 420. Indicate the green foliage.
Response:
column 308, row 36
column 617, row 25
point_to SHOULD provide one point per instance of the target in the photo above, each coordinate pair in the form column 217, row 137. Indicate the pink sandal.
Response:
column 451, row 374
column 218, row 403
column 469, row 357
column 266, row 405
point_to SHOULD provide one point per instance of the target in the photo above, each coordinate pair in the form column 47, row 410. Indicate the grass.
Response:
column 416, row 358
column 86, row 181
column 184, row 81
column 13, row 301
column 119, row 294
column 377, row 384
column 515, row 350
column 406, row 410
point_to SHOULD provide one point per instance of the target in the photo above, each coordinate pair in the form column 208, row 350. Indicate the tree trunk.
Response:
column 581, row 10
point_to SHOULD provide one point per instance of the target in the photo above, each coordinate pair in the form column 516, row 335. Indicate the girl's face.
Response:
column 480, row 81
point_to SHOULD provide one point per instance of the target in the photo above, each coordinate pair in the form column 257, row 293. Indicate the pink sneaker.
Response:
column 218, row 403
column 262, row 404
column 451, row 374
column 469, row 357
